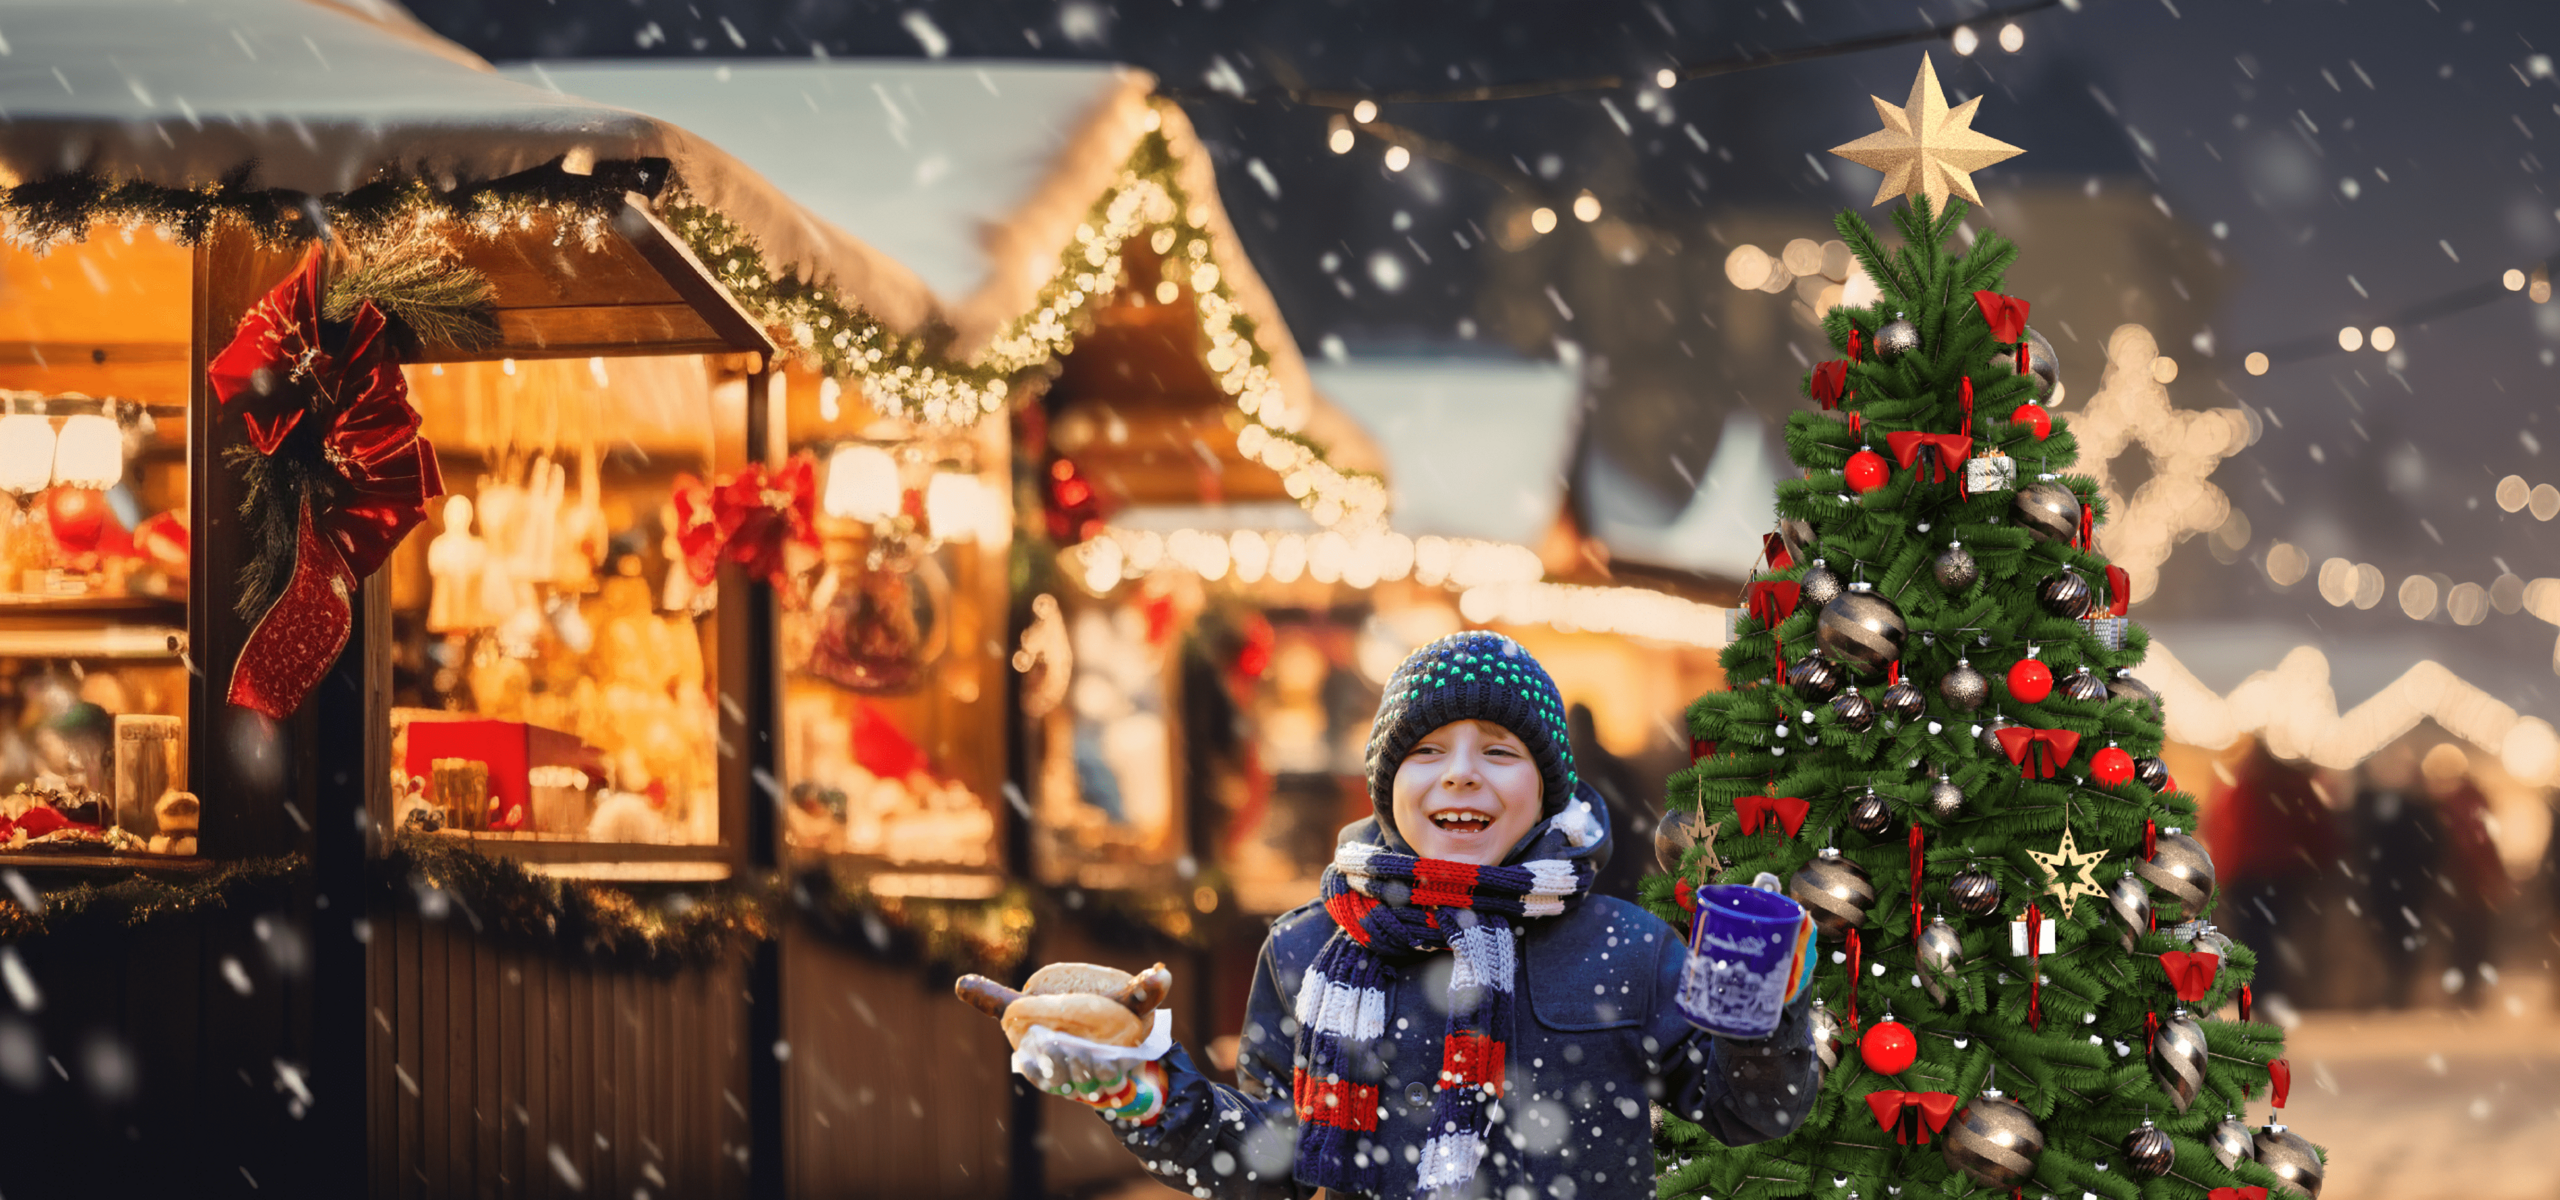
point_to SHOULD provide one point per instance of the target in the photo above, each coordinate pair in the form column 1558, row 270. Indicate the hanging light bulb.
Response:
column 26, row 453
column 956, row 506
column 862, row 483
column 90, row 452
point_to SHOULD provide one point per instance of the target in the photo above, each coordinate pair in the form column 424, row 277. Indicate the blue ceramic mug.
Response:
column 1747, row 953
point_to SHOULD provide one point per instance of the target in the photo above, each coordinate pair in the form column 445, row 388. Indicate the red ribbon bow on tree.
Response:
column 277, row 373
column 2191, row 972
column 2119, row 590
column 1911, row 1114
column 1770, row 601
column 1758, row 811
column 1952, row 449
column 2279, row 1081
column 1830, row 382
column 2007, row 316
column 2238, row 1193
column 2038, row 752
column 748, row 518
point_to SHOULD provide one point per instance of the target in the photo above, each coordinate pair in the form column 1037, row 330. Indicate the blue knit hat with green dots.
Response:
column 1477, row 675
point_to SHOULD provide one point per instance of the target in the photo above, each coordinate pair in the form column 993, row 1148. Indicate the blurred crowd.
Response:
column 2426, row 877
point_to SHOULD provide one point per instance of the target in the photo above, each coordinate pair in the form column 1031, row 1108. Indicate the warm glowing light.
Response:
column 1667, row 77
column 1586, row 208
column 2351, row 338
column 90, row 452
column 1398, row 158
column 862, row 484
column 2013, row 37
column 1364, row 112
column 2256, row 363
column 26, row 453
column 2287, row 564
column 1966, row 41
column 2383, row 339
column 1542, row 219
column 2418, row 597
column 1626, row 612
column 2514, row 279
column 1341, row 141
column 1747, row 266
column 961, row 509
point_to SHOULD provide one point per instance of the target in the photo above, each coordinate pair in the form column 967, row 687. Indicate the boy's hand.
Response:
column 1110, row 1087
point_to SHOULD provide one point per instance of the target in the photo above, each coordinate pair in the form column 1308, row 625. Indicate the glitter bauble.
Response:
column 1797, row 537
column 1896, row 338
column 2215, row 942
column 1955, row 568
column 1679, row 829
column 2149, row 1152
column 1854, row 711
column 1945, row 798
column 2151, row 773
column 2084, row 686
column 2126, row 687
column 1902, row 701
column 2296, row 1162
column 2065, row 595
column 2129, row 903
column 1819, row 584
column 1993, row 1141
column 1990, row 738
column 1814, row 677
column 2048, row 510
column 1835, row 890
column 1861, row 629
column 2181, row 872
column 2177, row 1058
column 2041, row 363
column 1871, row 815
column 1941, row 955
column 2231, row 1141
column 1974, row 892
column 1964, row 687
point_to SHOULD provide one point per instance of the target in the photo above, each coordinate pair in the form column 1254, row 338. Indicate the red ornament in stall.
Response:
column 749, row 518
column 2034, row 417
column 2030, row 681
column 1866, row 471
column 1889, row 1048
column 77, row 516
column 2110, row 766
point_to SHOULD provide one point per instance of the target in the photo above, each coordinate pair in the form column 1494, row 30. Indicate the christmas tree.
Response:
column 1935, row 738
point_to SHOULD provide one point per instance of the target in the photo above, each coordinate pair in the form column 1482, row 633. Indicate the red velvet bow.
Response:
column 2007, row 316
column 2191, row 972
column 1908, row 1114
column 1758, row 811
column 748, row 518
column 1952, row 449
column 2279, row 1082
column 2038, row 752
column 277, row 373
column 2119, row 590
column 1770, row 601
column 1830, row 382
column 2238, row 1193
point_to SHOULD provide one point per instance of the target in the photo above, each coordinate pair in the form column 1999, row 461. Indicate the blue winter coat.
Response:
column 1598, row 1041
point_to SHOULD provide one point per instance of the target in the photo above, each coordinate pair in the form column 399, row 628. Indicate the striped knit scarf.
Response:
column 1389, row 906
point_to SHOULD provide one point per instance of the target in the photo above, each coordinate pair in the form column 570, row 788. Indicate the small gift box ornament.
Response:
column 1990, row 471
column 2109, row 631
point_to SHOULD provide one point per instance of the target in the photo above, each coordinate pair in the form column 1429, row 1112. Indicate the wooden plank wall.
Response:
column 508, row 1072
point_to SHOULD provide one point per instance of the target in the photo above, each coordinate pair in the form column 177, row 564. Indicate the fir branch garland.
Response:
column 86, row 909
column 689, row 928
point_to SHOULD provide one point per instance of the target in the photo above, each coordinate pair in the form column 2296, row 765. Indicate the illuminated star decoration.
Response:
column 2131, row 409
column 2067, row 872
column 1926, row 148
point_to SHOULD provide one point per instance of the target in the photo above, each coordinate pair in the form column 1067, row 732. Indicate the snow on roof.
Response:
column 322, row 99
column 1718, row 531
column 1474, row 448
column 939, row 165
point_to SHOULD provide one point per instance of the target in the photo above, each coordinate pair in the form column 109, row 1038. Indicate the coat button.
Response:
column 1417, row 1094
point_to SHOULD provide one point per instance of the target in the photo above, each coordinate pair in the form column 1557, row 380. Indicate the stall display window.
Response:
column 94, row 548
column 891, row 649
column 556, row 665
column 1105, row 755
column 1308, row 708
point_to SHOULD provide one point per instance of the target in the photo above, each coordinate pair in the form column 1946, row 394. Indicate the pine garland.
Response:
column 91, row 909
column 689, row 928
column 988, row 937
column 2084, row 1074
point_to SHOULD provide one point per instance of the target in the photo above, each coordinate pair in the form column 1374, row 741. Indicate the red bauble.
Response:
column 1888, row 1048
column 2034, row 417
column 1867, row 471
column 2030, row 681
column 2110, row 766
column 77, row 516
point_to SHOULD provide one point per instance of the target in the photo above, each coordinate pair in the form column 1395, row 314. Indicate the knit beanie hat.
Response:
column 1476, row 675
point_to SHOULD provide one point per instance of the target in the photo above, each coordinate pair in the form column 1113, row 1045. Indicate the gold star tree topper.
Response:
column 2067, row 872
column 1926, row 148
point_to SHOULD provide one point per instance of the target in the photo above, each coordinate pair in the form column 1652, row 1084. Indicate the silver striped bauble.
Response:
column 1994, row 1141
column 2178, row 1058
column 2129, row 902
column 1861, row 629
column 1835, row 890
column 2231, row 1140
column 2182, row 871
column 2295, row 1161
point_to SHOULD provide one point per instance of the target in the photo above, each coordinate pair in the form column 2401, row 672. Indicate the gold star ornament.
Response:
column 2068, row 872
column 1926, row 148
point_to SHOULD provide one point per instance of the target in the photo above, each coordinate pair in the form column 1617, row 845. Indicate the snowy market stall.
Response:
column 933, row 661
